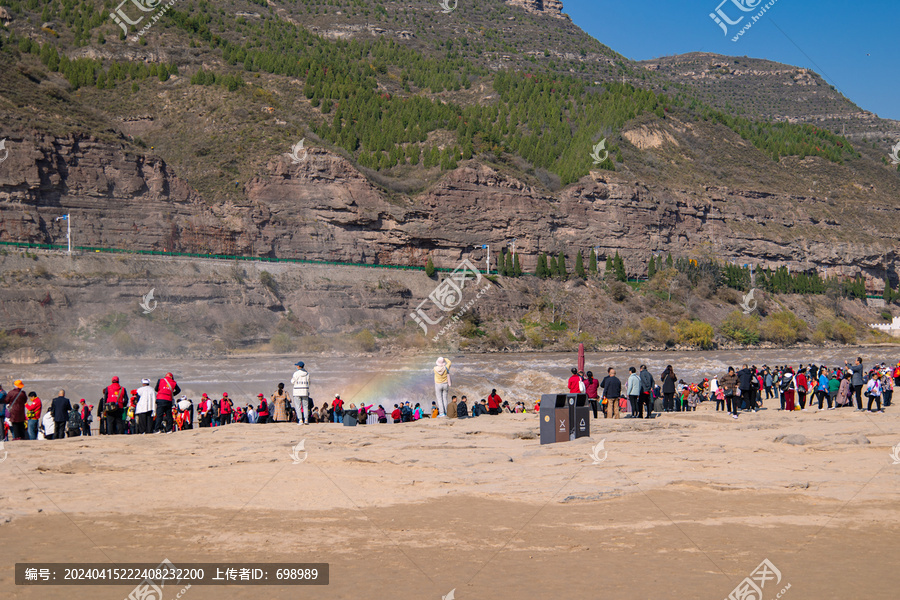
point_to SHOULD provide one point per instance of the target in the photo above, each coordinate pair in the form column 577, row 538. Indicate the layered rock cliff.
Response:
column 548, row 7
column 325, row 209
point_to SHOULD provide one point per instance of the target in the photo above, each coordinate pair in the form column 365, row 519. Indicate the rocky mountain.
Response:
column 181, row 140
column 763, row 89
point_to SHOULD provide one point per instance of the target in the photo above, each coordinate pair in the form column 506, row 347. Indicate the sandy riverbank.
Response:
column 686, row 505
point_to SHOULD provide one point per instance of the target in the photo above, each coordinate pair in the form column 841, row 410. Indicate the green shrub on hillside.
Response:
column 282, row 343
column 366, row 341
column 658, row 331
column 695, row 333
column 743, row 329
column 783, row 328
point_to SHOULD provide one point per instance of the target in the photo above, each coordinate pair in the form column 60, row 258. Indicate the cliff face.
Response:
column 324, row 209
column 546, row 7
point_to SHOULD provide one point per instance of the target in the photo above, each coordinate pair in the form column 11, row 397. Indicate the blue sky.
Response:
column 856, row 47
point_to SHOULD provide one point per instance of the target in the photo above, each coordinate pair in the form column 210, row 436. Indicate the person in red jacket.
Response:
column 575, row 383
column 592, row 389
column 494, row 402
column 337, row 408
column 114, row 396
column 15, row 411
column 33, row 415
column 802, row 387
column 166, row 390
column 86, row 417
column 203, row 409
column 262, row 411
column 395, row 414
column 225, row 410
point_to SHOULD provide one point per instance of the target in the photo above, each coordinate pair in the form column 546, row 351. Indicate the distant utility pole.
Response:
column 487, row 258
column 68, row 221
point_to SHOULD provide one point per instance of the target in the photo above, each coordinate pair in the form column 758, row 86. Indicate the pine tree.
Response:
column 579, row 265
column 516, row 266
column 620, row 268
column 651, row 268
column 501, row 264
column 561, row 267
column 542, row 270
column 610, row 270
column 592, row 263
column 429, row 267
column 554, row 270
column 669, row 262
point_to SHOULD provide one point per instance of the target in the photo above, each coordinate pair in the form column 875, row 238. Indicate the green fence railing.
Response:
column 97, row 249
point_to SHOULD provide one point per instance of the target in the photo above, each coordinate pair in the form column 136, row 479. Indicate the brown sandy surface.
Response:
column 684, row 506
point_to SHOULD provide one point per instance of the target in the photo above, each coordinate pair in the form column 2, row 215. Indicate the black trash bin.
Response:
column 564, row 417
column 551, row 404
column 581, row 415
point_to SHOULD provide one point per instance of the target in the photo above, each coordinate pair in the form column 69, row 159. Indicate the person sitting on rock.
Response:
column 480, row 408
column 452, row 408
column 494, row 402
column 462, row 409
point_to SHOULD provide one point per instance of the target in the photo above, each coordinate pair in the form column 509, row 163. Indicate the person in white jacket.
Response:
column 146, row 405
column 300, row 382
column 48, row 426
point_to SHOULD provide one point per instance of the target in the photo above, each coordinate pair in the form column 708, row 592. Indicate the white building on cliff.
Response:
column 892, row 328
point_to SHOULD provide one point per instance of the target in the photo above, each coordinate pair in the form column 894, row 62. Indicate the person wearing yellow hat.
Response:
column 15, row 401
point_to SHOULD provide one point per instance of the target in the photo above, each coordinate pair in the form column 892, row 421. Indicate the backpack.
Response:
column 74, row 423
column 785, row 384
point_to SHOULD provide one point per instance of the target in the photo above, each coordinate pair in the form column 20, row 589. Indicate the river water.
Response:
column 389, row 379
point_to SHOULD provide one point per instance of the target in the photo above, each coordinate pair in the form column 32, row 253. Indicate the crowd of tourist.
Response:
column 801, row 388
column 161, row 408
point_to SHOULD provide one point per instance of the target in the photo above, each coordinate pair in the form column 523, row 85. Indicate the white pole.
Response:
column 487, row 258
column 68, row 219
